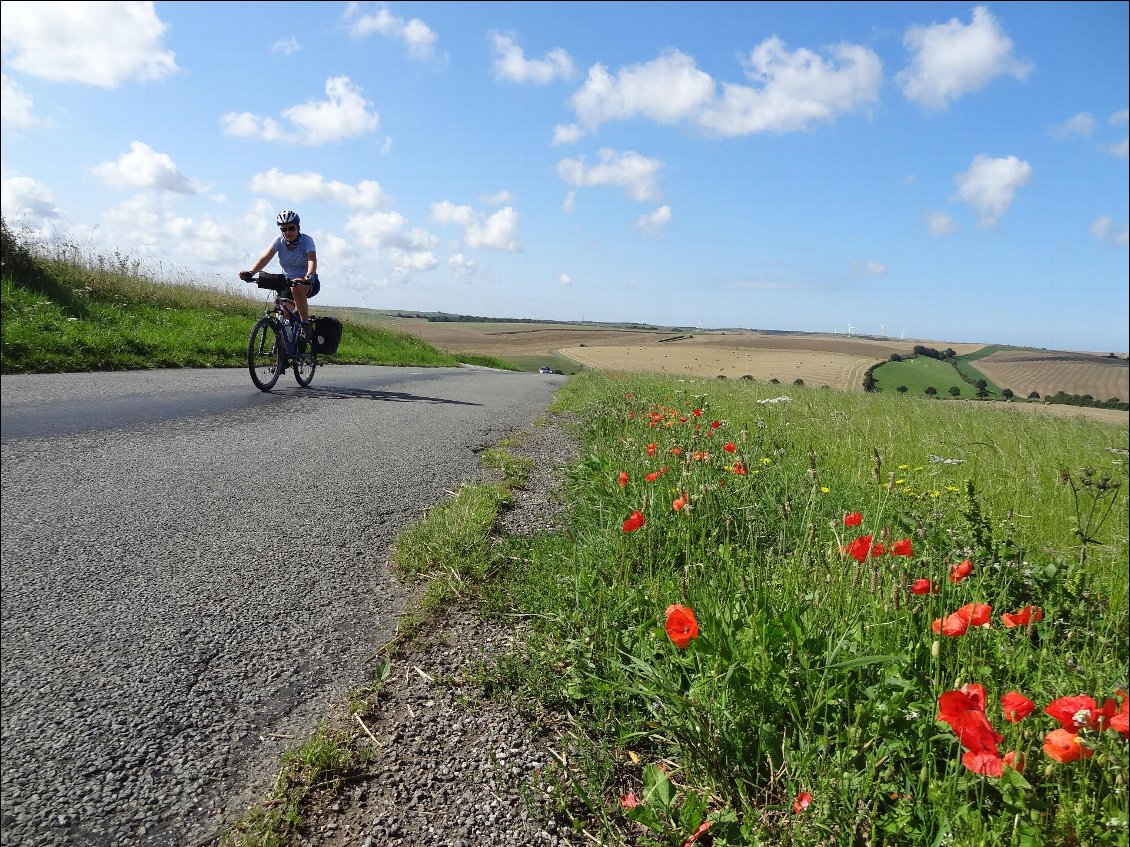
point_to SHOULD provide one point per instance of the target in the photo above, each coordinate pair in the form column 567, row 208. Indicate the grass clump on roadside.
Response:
column 65, row 308
column 831, row 618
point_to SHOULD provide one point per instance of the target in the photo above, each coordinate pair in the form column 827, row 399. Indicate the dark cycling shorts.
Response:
column 314, row 287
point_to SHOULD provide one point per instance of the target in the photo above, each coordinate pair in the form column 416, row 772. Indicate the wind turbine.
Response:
column 902, row 335
column 882, row 328
column 835, row 329
column 849, row 329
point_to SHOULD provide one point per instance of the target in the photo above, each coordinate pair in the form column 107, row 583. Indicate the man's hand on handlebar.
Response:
column 247, row 276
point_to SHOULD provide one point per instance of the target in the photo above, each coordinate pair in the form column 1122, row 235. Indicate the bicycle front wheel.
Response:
column 264, row 354
column 305, row 363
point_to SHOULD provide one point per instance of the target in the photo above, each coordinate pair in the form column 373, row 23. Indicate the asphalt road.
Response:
column 194, row 574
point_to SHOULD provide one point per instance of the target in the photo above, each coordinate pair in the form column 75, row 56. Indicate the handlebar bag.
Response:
column 327, row 335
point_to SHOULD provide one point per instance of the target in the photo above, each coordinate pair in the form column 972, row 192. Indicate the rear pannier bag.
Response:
column 327, row 335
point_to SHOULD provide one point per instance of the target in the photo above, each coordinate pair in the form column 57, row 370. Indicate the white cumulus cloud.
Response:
column 629, row 170
column 1106, row 233
column 564, row 279
column 951, row 59
column 940, row 223
column 344, row 114
column 143, row 167
column 101, row 44
column 790, row 91
column 463, row 268
column 416, row 35
column 510, row 62
column 288, row 46
column 1081, row 124
column 17, row 109
column 498, row 231
column 991, row 184
column 300, row 187
column 654, row 223
column 24, row 199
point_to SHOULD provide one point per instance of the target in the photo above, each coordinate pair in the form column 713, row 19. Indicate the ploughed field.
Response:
column 1049, row 371
column 836, row 361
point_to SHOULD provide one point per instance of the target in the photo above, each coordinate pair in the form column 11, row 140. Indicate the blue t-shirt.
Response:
column 292, row 257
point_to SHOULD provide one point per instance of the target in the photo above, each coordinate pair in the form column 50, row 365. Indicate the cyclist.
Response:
column 299, row 262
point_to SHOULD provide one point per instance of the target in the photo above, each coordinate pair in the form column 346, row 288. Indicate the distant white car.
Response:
column 544, row 370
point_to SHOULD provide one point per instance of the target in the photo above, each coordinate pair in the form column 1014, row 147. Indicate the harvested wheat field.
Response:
column 835, row 361
column 1047, row 372
column 509, row 339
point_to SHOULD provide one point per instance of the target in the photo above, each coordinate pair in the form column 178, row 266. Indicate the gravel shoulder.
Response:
column 450, row 767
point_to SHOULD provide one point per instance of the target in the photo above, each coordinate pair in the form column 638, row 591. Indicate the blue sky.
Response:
column 943, row 171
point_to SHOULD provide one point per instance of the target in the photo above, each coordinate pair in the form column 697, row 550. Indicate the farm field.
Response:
column 1049, row 371
column 835, row 361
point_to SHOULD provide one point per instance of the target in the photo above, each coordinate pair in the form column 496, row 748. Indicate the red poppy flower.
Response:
column 693, row 837
column 1073, row 713
column 860, row 548
column 902, row 548
column 924, row 586
column 1120, row 722
column 681, row 625
column 654, row 475
column 971, row 614
column 622, row 478
column 738, row 468
column 676, row 451
column 1065, row 747
column 877, row 549
column 1023, row 617
column 853, row 519
column 802, row 802
column 983, row 762
column 729, row 447
column 1016, row 761
column 715, row 424
column 1016, row 706
column 679, row 503
column 964, row 711
column 697, row 413
column 651, row 448
column 961, row 571
column 634, row 522
column 629, row 800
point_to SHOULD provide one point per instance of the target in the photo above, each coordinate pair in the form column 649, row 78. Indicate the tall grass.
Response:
column 816, row 669
column 67, row 307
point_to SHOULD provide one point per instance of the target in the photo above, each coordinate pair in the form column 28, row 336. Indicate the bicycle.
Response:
column 276, row 341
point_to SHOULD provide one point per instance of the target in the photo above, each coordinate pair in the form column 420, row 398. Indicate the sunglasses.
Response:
column 289, row 228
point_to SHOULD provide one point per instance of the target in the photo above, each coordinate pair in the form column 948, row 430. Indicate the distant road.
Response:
column 164, row 635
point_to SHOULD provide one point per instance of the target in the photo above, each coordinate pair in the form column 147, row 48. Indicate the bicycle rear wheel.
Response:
column 264, row 354
column 305, row 362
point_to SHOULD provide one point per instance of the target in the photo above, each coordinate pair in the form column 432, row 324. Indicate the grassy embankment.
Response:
column 64, row 310
column 817, row 668
column 801, row 705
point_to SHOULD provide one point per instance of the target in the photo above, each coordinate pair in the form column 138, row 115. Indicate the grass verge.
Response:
column 66, row 309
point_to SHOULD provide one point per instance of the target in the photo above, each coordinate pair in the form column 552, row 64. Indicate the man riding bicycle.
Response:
column 299, row 262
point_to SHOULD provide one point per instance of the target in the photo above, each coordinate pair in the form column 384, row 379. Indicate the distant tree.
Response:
column 869, row 382
column 1114, row 400
column 747, row 377
column 949, row 353
column 1008, row 395
column 931, row 391
column 955, row 391
column 775, row 381
column 902, row 389
column 798, row 381
column 982, row 383
column 722, row 376
column 982, row 393
column 1034, row 395
column 895, row 357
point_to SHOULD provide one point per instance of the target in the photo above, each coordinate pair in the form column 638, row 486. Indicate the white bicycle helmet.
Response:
column 286, row 216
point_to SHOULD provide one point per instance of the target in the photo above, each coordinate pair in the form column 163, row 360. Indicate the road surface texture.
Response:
column 194, row 574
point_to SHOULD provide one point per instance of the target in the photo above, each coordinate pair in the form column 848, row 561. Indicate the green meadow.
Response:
column 921, row 372
column 759, row 610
